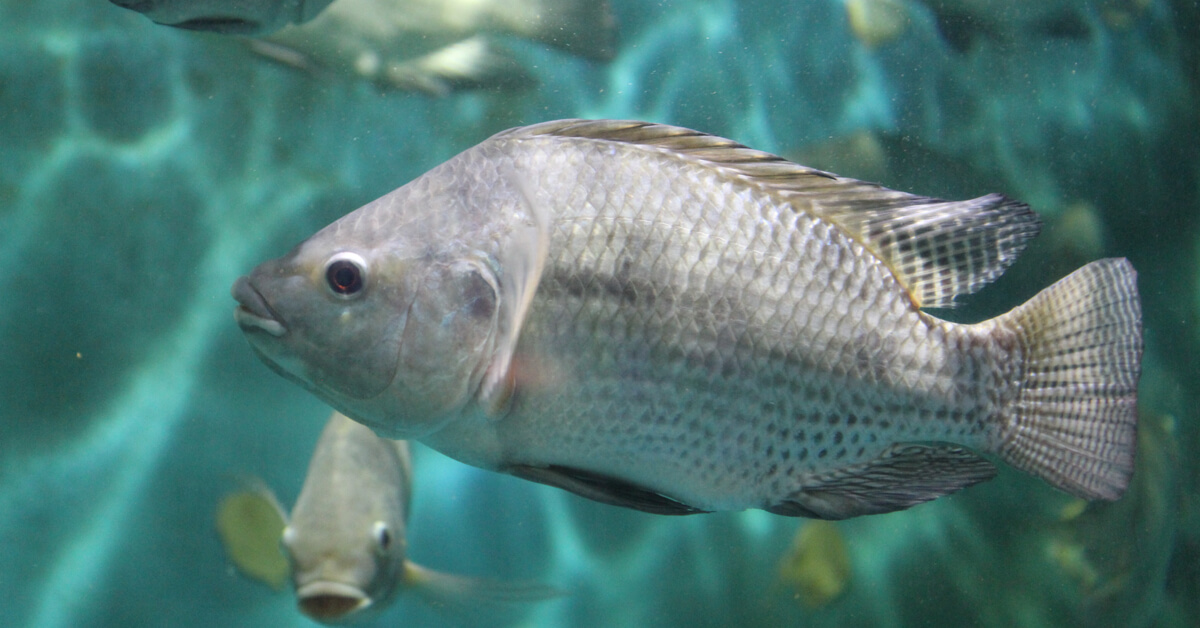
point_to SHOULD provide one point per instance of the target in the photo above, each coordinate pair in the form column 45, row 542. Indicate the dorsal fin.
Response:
column 937, row 249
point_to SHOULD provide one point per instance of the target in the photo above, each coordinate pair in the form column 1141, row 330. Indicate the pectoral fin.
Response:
column 522, row 260
column 604, row 489
column 904, row 476
column 250, row 523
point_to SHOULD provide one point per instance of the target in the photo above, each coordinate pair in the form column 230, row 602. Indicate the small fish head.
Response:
column 345, row 575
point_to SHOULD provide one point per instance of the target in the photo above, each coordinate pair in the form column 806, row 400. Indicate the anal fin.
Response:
column 903, row 476
column 603, row 488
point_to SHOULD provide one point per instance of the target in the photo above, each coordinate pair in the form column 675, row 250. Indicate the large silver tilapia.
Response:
column 661, row 319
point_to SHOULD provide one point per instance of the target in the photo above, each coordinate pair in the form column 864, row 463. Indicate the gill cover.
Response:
column 448, row 338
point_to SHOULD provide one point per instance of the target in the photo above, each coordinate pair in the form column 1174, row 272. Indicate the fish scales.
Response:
column 716, row 273
column 656, row 318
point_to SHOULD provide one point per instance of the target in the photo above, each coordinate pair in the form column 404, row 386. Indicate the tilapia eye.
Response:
column 346, row 274
column 382, row 536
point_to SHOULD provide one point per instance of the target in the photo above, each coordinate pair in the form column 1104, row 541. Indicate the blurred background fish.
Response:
column 436, row 46
column 1004, row 24
column 243, row 17
column 346, row 539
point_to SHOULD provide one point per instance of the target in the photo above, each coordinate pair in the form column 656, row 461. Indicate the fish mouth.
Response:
column 330, row 601
column 252, row 311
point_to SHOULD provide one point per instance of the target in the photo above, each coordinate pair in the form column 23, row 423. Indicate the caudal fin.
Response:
column 1074, row 422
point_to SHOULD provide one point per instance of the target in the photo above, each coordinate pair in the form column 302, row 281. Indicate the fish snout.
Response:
column 330, row 601
column 253, row 311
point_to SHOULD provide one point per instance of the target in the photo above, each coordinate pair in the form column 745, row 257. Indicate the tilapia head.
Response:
column 364, row 299
column 304, row 298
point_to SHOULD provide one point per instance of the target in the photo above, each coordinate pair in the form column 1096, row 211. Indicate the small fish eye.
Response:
column 382, row 535
column 345, row 274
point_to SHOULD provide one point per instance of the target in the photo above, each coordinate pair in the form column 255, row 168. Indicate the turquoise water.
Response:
column 143, row 169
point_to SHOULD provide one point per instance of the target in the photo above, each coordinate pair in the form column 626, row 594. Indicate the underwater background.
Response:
column 144, row 168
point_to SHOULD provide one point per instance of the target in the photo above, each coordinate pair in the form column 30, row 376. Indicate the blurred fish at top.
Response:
column 877, row 22
column 965, row 24
column 241, row 17
column 437, row 46
column 666, row 320
column 346, row 539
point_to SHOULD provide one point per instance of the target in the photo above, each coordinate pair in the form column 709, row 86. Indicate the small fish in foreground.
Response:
column 665, row 320
column 345, row 540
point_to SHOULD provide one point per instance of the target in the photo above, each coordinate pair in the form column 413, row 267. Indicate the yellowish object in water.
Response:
column 1080, row 230
column 250, row 523
column 1123, row 14
column 876, row 22
column 817, row 567
column 1072, row 510
column 1072, row 558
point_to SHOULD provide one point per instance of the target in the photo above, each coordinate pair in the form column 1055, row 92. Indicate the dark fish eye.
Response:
column 345, row 274
column 382, row 536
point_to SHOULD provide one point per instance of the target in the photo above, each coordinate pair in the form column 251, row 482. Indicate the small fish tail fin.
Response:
column 442, row 588
column 1073, row 422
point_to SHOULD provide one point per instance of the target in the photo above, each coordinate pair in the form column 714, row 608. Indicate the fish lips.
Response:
column 331, row 601
column 253, row 313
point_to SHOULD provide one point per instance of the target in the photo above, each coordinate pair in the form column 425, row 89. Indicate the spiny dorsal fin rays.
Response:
column 941, row 249
column 937, row 249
